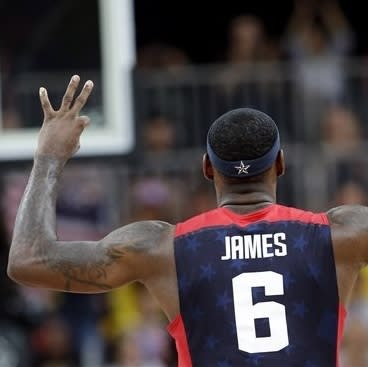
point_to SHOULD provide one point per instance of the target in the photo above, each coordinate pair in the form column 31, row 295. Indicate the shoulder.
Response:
column 349, row 230
column 142, row 235
column 292, row 213
column 349, row 216
column 148, row 226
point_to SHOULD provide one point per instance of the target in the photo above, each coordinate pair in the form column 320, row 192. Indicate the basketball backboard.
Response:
column 114, row 132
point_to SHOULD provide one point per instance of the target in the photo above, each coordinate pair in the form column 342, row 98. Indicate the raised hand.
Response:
column 61, row 129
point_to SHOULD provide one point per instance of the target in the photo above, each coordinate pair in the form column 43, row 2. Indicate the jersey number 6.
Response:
column 246, row 312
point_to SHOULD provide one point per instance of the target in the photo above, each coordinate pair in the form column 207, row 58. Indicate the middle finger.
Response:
column 69, row 93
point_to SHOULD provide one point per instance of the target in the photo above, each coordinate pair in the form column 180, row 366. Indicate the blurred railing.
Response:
column 193, row 97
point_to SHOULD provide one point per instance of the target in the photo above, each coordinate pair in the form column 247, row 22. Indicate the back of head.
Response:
column 243, row 143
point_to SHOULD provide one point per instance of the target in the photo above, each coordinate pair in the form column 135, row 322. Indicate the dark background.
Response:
column 200, row 28
column 51, row 35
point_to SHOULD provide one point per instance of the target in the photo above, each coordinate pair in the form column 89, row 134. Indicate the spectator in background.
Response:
column 143, row 343
column 246, row 40
column 51, row 343
column 128, row 354
column 151, row 338
column 202, row 199
column 245, row 47
column 341, row 131
column 82, row 314
column 159, row 56
column 250, row 76
column 153, row 196
column 159, row 135
column 82, row 213
column 350, row 192
column 164, row 66
column 13, row 323
column 355, row 342
column 342, row 143
column 318, row 40
column 10, row 116
column 82, row 205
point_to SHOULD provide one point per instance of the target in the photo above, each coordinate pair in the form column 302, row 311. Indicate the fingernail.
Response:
column 75, row 78
column 42, row 91
column 89, row 83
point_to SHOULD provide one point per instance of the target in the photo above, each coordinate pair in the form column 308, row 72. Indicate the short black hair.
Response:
column 242, row 134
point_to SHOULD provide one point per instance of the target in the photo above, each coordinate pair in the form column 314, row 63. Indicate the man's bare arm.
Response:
column 36, row 256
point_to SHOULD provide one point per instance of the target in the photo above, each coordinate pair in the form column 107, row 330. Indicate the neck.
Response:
column 246, row 197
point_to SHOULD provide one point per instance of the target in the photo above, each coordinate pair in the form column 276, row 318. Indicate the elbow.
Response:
column 20, row 276
column 18, row 271
column 15, row 271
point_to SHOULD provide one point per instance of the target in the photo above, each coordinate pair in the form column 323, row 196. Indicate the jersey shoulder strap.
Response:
column 272, row 213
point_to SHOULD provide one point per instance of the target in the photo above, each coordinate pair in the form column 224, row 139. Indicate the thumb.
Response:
column 84, row 121
column 77, row 147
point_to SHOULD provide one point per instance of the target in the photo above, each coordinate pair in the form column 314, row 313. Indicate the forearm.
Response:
column 35, row 225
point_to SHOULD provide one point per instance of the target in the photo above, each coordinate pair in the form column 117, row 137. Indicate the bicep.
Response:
column 123, row 256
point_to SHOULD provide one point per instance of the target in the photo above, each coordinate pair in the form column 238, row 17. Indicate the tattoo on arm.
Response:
column 135, row 238
column 75, row 264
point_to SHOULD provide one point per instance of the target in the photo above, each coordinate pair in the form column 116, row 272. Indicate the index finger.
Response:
column 45, row 103
column 81, row 100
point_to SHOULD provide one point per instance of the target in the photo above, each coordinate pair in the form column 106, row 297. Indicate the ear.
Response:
column 207, row 167
column 280, row 164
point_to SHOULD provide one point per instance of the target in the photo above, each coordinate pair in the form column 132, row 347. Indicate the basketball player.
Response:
column 251, row 283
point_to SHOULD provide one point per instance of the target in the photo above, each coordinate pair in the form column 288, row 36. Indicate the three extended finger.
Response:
column 69, row 93
column 48, row 111
column 81, row 100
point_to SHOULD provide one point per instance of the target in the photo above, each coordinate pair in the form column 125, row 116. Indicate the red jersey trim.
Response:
column 340, row 330
column 271, row 213
column 177, row 331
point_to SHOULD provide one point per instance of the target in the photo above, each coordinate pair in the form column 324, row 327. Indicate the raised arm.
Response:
column 36, row 257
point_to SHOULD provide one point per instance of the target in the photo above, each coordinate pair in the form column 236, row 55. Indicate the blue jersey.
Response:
column 256, row 290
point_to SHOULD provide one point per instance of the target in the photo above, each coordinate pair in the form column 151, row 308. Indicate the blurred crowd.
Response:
column 162, row 179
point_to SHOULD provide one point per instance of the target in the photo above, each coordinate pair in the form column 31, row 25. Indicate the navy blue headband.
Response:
column 244, row 168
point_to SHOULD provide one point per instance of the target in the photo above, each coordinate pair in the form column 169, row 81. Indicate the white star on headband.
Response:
column 242, row 168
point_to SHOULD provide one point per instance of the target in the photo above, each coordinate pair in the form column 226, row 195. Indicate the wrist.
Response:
column 49, row 164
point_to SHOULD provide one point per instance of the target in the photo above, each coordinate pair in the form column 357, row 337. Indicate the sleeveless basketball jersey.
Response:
column 256, row 290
